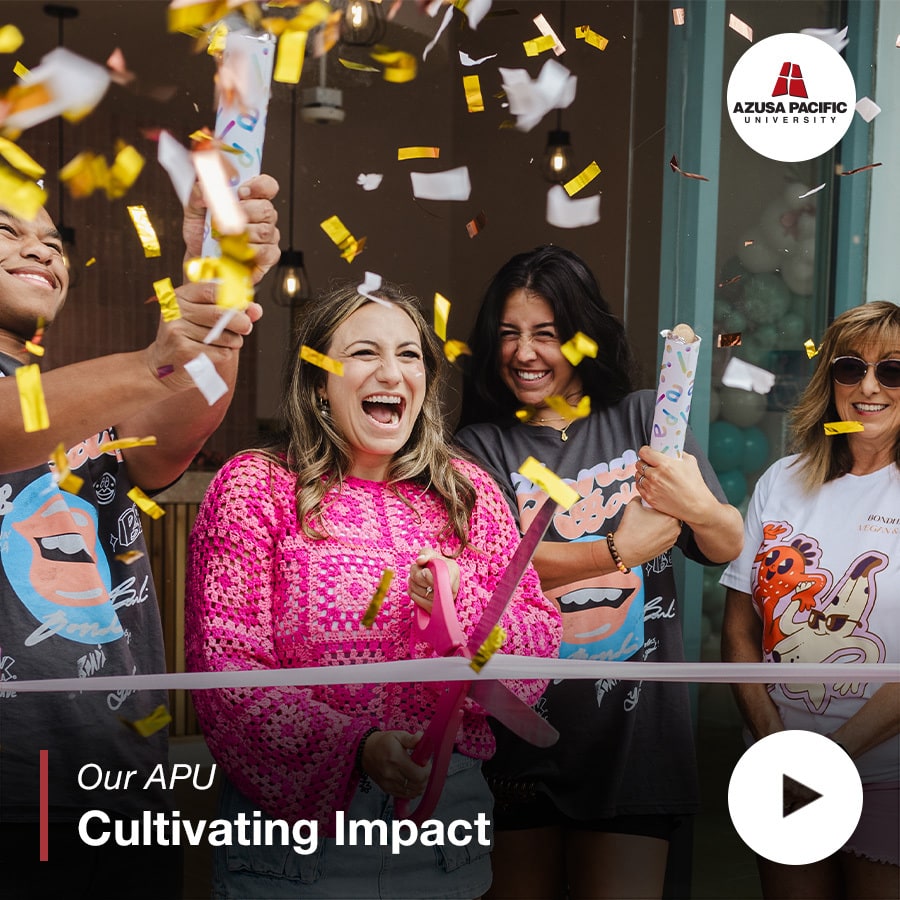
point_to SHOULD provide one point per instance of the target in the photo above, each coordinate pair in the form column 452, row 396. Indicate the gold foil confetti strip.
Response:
column 476, row 225
column 21, row 196
column 63, row 476
column 156, row 721
column 398, row 66
column 349, row 246
column 673, row 164
column 678, row 15
column 19, row 159
column 34, row 349
column 732, row 339
column 355, row 66
column 536, row 46
column 153, row 509
column 290, row 56
column 375, row 603
column 733, row 280
column 560, row 405
column 587, row 34
column 92, row 261
column 145, row 231
column 492, row 643
column 454, row 349
column 418, row 153
column 125, row 443
column 577, row 347
column 31, row 398
column 10, row 39
column 168, row 301
column 584, row 177
column 307, row 354
column 124, row 171
column 549, row 482
column 129, row 557
column 843, row 427
column 526, row 413
column 810, row 347
column 441, row 314
column 472, row 87
column 20, row 70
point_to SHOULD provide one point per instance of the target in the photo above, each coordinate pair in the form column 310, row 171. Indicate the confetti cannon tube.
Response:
column 676, row 385
column 241, row 121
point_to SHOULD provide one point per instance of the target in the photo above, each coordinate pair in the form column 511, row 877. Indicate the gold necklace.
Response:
column 562, row 434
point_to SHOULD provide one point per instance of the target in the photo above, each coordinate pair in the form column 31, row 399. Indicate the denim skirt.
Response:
column 362, row 872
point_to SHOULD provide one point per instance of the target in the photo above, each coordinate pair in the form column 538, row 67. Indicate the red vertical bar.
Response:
column 45, row 806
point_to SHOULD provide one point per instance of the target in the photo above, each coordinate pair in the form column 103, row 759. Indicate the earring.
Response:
column 324, row 405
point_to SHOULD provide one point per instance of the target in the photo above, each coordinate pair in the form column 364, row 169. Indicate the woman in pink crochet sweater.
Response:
column 288, row 549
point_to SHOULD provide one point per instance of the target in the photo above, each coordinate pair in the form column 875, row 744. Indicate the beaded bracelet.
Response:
column 611, row 543
column 360, row 747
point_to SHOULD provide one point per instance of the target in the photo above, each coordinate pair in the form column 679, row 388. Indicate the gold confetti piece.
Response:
column 10, row 39
column 843, row 427
column 19, row 159
column 145, row 231
column 549, row 482
column 559, row 404
column 441, row 314
column 741, row 27
column 673, row 164
column 587, row 34
column 732, row 339
column 678, row 15
column 90, row 262
column 399, row 66
column 418, row 153
column 526, row 413
column 20, row 70
column 374, row 606
column 289, row 60
column 536, row 46
column 355, row 66
column 472, row 87
column 307, row 354
column 476, row 225
column 125, row 443
column 156, row 721
column 454, row 349
column 124, row 171
column 349, row 246
column 129, row 557
column 585, row 176
column 168, row 301
column 811, row 348
column 577, row 347
column 733, row 280
column 861, row 169
column 21, row 196
column 153, row 509
column 31, row 398
column 34, row 349
column 63, row 475
column 492, row 643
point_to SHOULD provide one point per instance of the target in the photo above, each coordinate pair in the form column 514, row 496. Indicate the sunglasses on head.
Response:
column 851, row 370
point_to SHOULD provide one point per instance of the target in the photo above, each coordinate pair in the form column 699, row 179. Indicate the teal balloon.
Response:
column 766, row 297
column 756, row 450
column 726, row 446
column 734, row 484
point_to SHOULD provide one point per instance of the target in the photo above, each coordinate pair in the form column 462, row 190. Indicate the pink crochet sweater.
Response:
column 261, row 595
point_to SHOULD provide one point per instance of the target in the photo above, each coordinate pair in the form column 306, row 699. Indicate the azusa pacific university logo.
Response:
column 790, row 82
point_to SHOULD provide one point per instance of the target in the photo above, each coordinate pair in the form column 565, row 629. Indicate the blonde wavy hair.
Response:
column 312, row 447
column 823, row 457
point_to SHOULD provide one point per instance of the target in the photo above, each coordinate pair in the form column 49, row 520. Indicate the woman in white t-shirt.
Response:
column 819, row 581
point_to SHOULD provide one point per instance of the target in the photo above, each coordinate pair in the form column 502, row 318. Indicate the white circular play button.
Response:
column 795, row 797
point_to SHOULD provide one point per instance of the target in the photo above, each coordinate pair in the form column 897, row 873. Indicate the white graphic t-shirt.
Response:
column 823, row 570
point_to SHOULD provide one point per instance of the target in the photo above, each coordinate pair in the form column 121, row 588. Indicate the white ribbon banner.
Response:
column 457, row 669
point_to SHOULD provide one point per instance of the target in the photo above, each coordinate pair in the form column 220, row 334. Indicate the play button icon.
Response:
column 795, row 797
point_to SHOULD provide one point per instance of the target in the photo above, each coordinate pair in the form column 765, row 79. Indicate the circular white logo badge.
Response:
column 791, row 97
